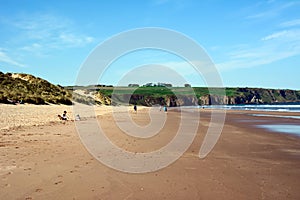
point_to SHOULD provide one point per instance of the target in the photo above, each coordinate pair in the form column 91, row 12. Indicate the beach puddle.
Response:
column 283, row 128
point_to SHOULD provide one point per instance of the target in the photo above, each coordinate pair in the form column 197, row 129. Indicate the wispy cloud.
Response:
column 292, row 36
column 35, row 49
column 75, row 40
column 6, row 59
column 271, row 48
column 277, row 45
column 39, row 35
column 295, row 22
column 271, row 11
column 277, row 35
column 48, row 31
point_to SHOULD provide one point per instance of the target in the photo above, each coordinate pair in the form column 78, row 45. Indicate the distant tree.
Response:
column 133, row 85
column 168, row 85
column 187, row 85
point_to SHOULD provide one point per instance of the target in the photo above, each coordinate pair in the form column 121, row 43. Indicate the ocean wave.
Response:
column 264, row 107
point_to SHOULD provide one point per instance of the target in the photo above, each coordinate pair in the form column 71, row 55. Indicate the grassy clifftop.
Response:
column 198, row 95
column 15, row 87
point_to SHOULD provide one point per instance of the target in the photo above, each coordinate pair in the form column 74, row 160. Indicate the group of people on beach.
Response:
column 164, row 108
column 64, row 117
column 160, row 108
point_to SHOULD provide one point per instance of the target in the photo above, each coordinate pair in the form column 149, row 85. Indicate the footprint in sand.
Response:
column 5, row 170
column 58, row 182
column 6, row 185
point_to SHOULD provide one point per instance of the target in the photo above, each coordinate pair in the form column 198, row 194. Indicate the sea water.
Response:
column 287, row 107
column 274, row 108
column 282, row 128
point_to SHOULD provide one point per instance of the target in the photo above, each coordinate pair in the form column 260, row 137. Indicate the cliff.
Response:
column 202, row 96
column 253, row 96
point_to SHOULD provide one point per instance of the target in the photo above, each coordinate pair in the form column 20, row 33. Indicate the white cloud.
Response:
column 75, row 40
column 32, row 47
column 49, row 31
column 39, row 34
column 271, row 48
column 276, row 46
column 35, row 49
column 272, row 11
column 291, row 36
column 295, row 22
column 4, row 58
column 276, row 35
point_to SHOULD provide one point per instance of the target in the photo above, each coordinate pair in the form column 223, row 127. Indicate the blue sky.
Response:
column 252, row 43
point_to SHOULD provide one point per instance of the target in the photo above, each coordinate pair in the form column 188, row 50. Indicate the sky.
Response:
column 254, row 43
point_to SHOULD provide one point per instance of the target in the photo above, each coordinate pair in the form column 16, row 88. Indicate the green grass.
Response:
column 164, row 91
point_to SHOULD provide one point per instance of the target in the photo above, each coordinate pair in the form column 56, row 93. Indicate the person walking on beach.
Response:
column 135, row 108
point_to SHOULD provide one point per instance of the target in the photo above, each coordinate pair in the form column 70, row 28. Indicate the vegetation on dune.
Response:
column 26, row 88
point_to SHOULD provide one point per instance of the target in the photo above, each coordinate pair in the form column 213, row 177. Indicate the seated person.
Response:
column 77, row 118
column 63, row 116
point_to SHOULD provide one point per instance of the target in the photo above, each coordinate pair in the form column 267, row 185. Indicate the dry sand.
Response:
column 50, row 162
column 15, row 116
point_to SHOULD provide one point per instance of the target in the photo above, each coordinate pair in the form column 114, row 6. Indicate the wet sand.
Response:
column 50, row 162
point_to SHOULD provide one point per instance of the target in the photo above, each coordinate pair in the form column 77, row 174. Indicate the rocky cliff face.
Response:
column 242, row 96
column 253, row 96
column 181, row 100
column 126, row 99
column 237, row 96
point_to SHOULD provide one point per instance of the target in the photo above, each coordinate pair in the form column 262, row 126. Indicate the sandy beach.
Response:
column 43, row 158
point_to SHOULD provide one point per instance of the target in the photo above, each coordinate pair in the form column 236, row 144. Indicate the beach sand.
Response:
column 49, row 161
